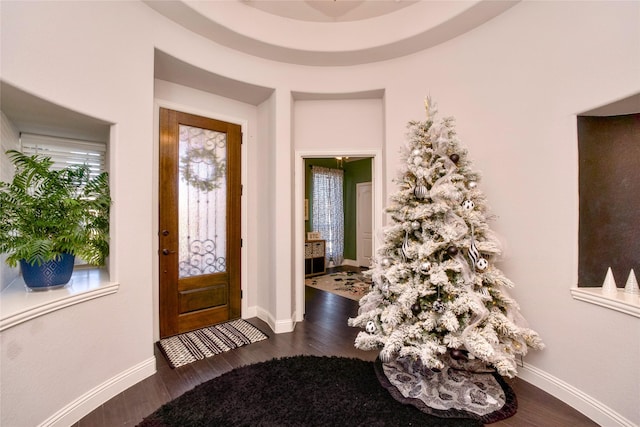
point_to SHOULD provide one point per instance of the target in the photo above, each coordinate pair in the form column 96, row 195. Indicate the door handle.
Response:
column 167, row 252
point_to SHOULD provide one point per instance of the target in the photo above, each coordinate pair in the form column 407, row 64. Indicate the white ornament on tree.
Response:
column 609, row 285
column 405, row 246
column 438, row 306
column 371, row 327
column 468, row 205
column 482, row 264
column 425, row 267
column 474, row 254
column 631, row 286
column 385, row 289
column 386, row 262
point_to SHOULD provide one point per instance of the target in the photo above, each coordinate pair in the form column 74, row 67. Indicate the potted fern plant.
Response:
column 48, row 217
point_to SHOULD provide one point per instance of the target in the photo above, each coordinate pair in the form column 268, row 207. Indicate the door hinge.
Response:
column 241, row 243
column 241, row 189
column 241, row 294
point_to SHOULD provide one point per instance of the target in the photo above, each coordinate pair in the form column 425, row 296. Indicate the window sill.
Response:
column 18, row 304
column 620, row 301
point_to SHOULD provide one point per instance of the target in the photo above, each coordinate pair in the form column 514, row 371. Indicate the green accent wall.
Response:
column 354, row 172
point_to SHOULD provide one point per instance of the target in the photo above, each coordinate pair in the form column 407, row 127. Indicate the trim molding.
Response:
column 574, row 397
column 620, row 300
column 18, row 305
column 277, row 326
column 95, row 397
column 251, row 311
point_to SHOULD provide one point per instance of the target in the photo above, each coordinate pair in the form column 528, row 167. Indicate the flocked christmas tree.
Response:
column 436, row 293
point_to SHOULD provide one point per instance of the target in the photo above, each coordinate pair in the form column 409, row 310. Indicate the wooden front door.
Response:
column 199, row 221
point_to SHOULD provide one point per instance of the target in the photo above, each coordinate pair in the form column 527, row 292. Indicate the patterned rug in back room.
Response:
column 348, row 284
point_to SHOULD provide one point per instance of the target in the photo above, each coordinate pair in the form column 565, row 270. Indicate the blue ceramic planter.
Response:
column 49, row 274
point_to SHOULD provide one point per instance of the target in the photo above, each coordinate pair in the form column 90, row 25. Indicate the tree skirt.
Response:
column 348, row 284
column 453, row 392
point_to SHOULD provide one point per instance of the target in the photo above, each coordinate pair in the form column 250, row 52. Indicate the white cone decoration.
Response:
column 609, row 285
column 632, row 284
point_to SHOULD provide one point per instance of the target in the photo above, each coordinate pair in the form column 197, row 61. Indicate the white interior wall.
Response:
column 264, row 211
column 338, row 124
column 514, row 85
column 96, row 59
column 282, row 190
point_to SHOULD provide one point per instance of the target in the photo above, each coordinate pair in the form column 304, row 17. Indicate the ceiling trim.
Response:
column 405, row 31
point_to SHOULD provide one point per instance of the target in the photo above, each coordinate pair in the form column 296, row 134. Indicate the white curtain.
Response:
column 328, row 213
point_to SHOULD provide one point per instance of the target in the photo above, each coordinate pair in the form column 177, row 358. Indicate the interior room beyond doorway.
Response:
column 352, row 171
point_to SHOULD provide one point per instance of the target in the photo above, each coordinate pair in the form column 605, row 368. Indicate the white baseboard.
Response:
column 89, row 401
column 350, row 262
column 250, row 312
column 277, row 326
column 577, row 399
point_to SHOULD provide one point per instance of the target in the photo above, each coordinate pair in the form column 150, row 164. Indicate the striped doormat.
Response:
column 206, row 342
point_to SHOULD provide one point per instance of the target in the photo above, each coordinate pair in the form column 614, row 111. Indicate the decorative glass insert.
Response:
column 202, row 195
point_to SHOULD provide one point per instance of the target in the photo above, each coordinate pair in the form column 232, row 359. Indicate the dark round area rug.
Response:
column 295, row 391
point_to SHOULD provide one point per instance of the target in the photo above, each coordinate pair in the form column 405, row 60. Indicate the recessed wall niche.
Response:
column 23, row 112
column 609, row 195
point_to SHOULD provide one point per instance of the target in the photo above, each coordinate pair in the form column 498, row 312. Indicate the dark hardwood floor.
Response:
column 323, row 332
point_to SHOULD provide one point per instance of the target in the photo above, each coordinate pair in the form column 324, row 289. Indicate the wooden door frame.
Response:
column 244, row 124
column 299, row 230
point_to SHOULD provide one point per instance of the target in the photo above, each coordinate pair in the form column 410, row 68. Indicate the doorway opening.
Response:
column 362, row 172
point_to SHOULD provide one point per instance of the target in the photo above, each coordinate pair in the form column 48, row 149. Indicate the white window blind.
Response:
column 66, row 152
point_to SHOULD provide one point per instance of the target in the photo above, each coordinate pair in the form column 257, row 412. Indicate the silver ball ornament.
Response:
column 482, row 264
column 416, row 152
column 416, row 225
column 425, row 267
column 386, row 262
column 472, row 184
column 420, row 191
column 371, row 327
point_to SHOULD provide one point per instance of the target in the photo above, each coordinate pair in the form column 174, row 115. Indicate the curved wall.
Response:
column 514, row 84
